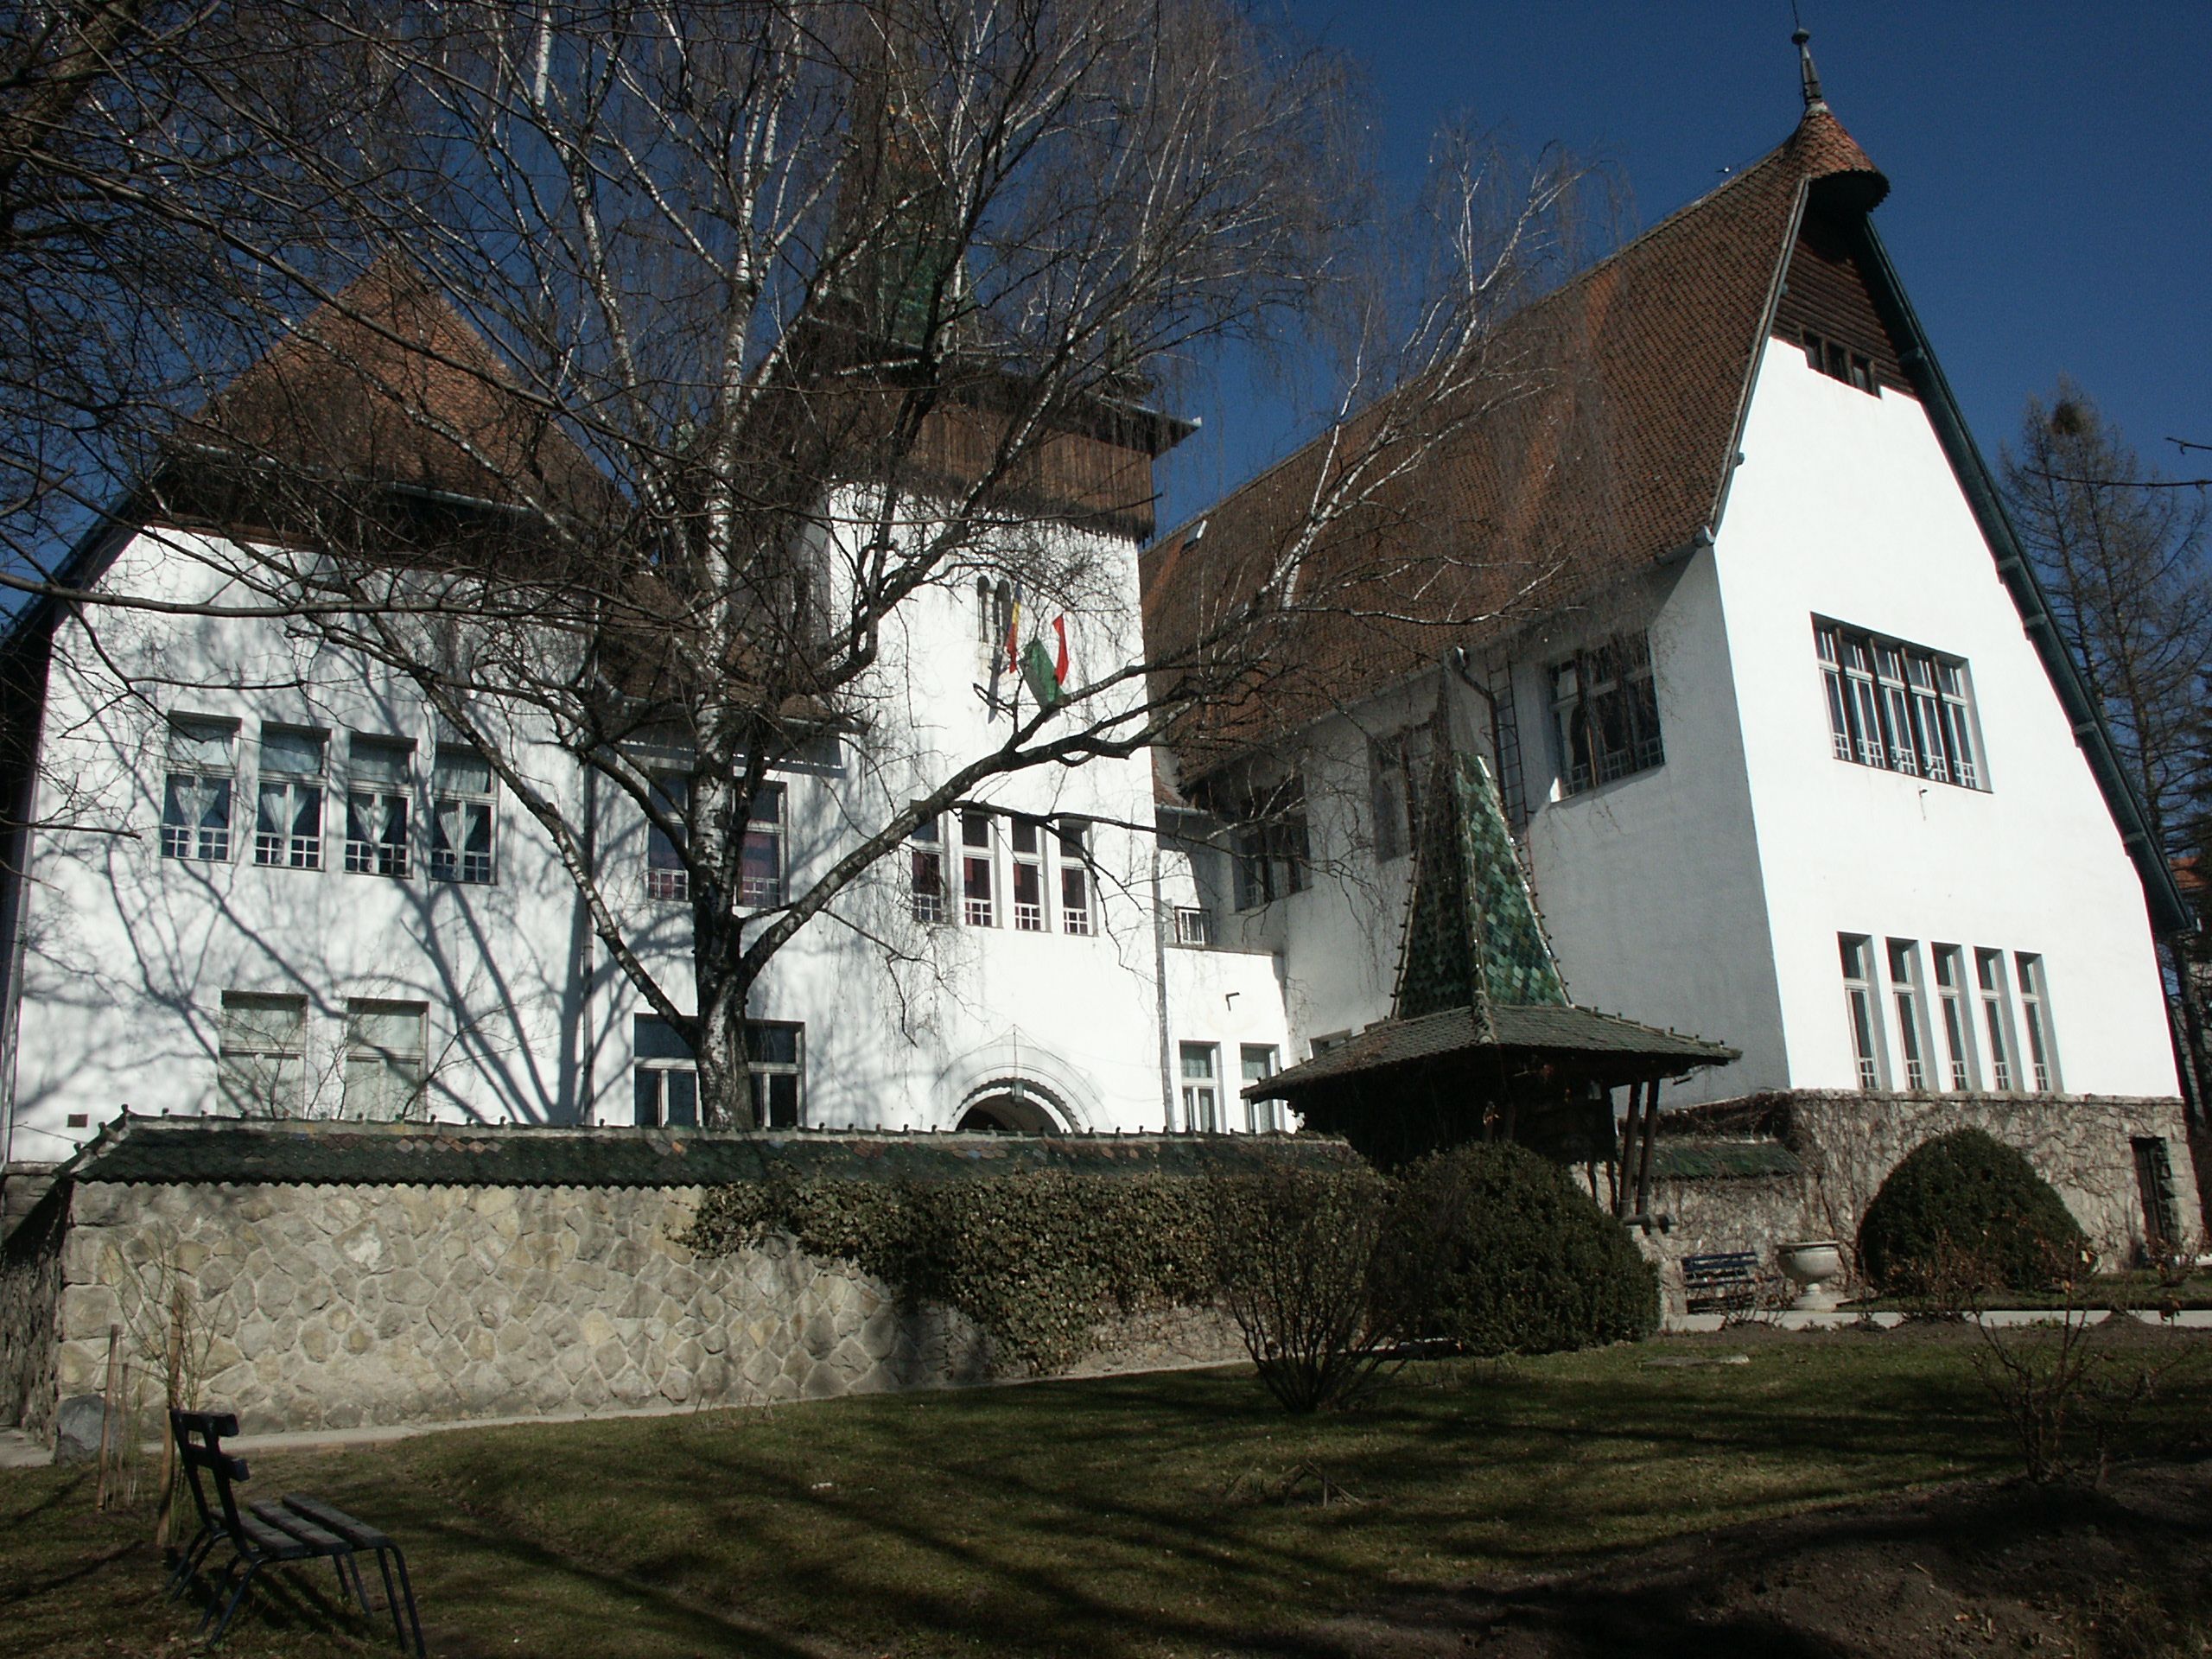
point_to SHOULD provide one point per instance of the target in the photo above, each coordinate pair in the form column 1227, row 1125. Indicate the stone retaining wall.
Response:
column 30, row 1301
column 337, row 1306
column 1848, row 1143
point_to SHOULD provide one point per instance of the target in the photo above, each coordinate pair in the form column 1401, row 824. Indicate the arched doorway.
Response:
column 1016, row 1109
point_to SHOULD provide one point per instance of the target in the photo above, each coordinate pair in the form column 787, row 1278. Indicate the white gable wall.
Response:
column 1846, row 507
column 1650, row 886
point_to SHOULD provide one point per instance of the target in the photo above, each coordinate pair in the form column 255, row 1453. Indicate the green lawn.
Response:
column 1157, row 1515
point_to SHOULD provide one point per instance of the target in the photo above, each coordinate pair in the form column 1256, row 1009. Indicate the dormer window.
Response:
column 1839, row 362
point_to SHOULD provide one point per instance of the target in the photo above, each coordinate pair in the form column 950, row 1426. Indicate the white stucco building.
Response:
column 1728, row 604
column 1796, row 761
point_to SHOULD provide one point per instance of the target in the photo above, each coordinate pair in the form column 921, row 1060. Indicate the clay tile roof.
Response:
column 1614, row 452
column 386, row 384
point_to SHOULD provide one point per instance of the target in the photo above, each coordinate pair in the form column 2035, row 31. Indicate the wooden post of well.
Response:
column 107, row 1415
column 172, row 1388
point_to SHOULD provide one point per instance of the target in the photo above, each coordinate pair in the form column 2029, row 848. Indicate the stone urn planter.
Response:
column 1810, row 1264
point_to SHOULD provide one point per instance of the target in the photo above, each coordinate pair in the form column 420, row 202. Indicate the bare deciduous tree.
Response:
column 2121, row 554
column 704, row 338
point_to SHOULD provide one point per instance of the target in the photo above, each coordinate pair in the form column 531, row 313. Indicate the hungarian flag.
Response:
column 1045, row 675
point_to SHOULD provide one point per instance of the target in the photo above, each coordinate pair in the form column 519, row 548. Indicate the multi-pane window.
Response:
column 1958, row 1026
column 288, row 814
column 1997, row 1021
column 663, row 1078
column 925, row 871
column 1201, row 1088
column 2034, row 1012
column 1897, row 706
column 667, row 876
column 1912, row 1012
column 1258, row 1064
column 261, row 1058
column 378, row 787
column 386, row 1059
column 775, row 1056
column 460, row 816
column 1268, row 848
column 1395, row 767
column 761, row 872
column 1606, row 714
column 664, row 1075
column 1025, row 840
column 976, row 908
column 1839, row 362
column 1193, row 925
column 1075, row 880
column 1861, row 1007
column 196, row 799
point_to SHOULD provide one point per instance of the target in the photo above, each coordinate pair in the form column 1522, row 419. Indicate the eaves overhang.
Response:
column 2171, row 913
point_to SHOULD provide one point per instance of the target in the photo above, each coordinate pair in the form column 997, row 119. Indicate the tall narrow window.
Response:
column 1896, row 706
column 1912, row 1012
column 1606, row 714
column 1201, row 1089
column 1395, row 767
column 667, row 876
column 1832, row 678
column 925, row 871
column 1958, row 1026
column 1860, row 1009
column 196, row 800
column 378, row 786
column 1075, row 880
column 261, row 1060
column 2035, row 1011
column 1027, row 840
column 1997, row 1019
column 775, row 1058
column 386, row 1052
column 287, row 822
column 1958, row 724
column 665, row 1079
column 1258, row 1064
column 760, row 875
column 460, row 816
column 977, row 909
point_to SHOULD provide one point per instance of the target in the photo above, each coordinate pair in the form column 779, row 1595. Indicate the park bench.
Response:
column 265, row 1533
column 1726, row 1279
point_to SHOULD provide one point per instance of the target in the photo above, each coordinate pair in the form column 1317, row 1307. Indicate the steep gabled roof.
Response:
column 1620, row 400
column 386, row 384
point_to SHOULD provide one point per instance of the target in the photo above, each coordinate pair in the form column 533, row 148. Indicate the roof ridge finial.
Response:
column 1801, row 39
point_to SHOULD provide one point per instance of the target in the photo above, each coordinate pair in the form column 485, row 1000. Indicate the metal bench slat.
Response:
column 358, row 1534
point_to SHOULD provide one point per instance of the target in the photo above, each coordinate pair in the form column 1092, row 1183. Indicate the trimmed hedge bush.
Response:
column 1038, row 1258
column 1494, row 1247
column 1965, row 1213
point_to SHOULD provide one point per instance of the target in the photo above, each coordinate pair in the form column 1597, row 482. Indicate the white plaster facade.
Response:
column 124, row 955
column 1707, row 893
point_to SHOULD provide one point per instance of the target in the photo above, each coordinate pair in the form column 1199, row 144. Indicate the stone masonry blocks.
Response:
column 316, row 1307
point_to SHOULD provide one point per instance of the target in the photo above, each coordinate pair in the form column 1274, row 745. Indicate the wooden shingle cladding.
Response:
column 1611, row 420
column 1826, row 294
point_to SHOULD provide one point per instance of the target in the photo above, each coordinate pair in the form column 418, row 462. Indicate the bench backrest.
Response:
column 198, row 1436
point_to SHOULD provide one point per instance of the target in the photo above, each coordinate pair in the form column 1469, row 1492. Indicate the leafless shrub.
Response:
column 2071, row 1385
column 1298, row 1254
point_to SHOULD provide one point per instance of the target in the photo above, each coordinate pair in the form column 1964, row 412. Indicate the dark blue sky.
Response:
column 2050, row 171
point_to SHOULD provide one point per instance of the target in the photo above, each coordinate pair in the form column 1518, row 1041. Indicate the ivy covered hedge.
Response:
column 1038, row 1258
